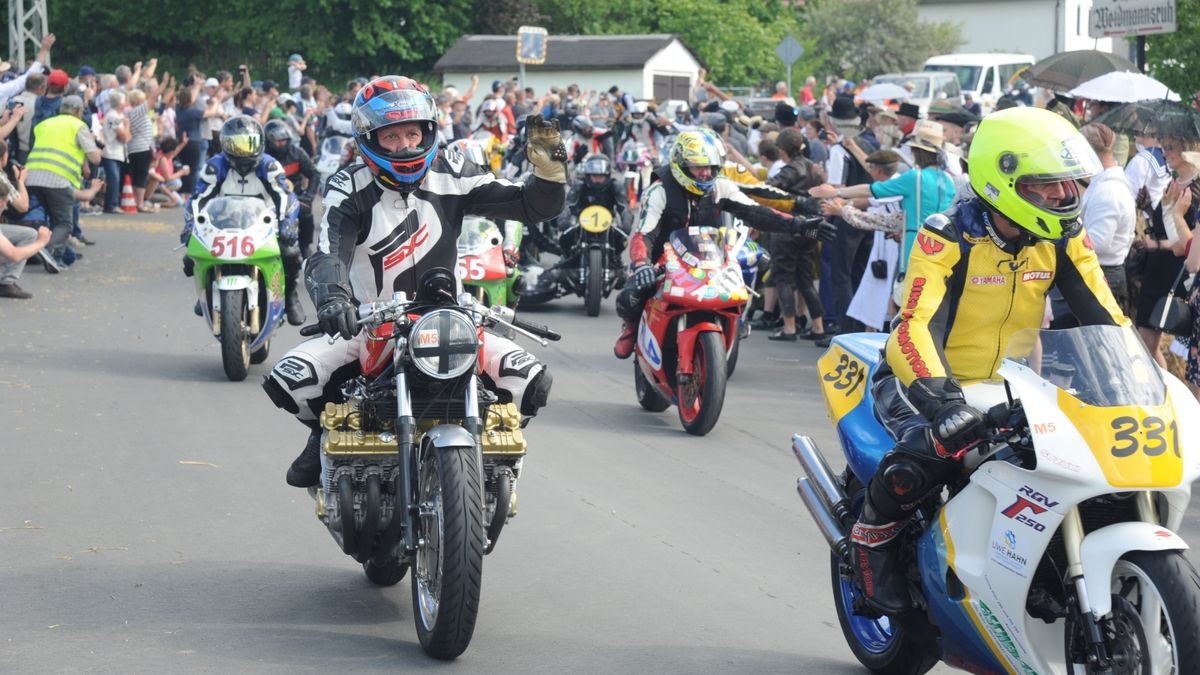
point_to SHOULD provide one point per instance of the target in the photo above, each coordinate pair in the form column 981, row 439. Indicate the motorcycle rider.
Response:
column 1003, row 245
column 689, row 191
column 254, row 174
column 387, row 221
column 299, row 170
column 492, row 121
column 595, row 187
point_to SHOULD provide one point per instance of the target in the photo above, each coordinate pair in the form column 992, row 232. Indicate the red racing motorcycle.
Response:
column 690, row 326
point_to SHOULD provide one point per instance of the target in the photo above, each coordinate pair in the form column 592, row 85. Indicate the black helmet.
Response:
column 242, row 143
column 581, row 125
column 279, row 137
column 597, row 164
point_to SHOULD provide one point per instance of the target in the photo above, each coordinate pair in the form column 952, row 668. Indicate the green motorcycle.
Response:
column 481, row 264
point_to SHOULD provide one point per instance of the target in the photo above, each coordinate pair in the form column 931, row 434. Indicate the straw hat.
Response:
column 928, row 135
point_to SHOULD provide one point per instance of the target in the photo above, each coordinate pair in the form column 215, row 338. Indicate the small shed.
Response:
column 661, row 67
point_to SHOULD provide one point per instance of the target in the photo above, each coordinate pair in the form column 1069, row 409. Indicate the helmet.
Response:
column 695, row 149
column 581, row 125
column 471, row 149
column 278, row 135
column 1018, row 149
column 640, row 109
column 242, row 143
column 386, row 101
column 343, row 111
column 492, row 105
column 597, row 164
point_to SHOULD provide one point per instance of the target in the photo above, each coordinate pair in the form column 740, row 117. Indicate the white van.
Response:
column 985, row 76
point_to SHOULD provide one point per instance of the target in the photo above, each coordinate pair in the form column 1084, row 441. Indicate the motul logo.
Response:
column 1037, row 275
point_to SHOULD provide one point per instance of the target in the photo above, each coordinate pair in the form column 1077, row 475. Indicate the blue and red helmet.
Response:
column 390, row 100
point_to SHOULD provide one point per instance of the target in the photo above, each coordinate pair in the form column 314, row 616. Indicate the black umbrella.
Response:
column 1068, row 70
column 1153, row 118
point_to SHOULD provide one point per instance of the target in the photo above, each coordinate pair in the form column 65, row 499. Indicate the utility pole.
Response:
column 26, row 25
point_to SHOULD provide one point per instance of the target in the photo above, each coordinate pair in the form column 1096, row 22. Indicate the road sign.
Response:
column 789, row 50
column 1114, row 18
column 531, row 45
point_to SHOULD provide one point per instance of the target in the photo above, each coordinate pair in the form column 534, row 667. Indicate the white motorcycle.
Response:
column 1056, row 551
column 336, row 151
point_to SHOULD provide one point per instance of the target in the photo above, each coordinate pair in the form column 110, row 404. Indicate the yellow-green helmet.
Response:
column 694, row 149
column 1017, row 148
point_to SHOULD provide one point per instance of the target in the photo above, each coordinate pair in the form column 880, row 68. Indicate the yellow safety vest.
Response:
column 55, row 149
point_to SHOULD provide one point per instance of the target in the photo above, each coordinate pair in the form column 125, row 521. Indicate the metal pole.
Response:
column 521, row 74
column 789, row 71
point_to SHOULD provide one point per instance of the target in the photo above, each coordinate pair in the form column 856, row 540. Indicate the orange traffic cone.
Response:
column 128, row 203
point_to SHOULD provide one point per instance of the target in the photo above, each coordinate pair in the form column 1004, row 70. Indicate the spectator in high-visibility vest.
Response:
column 56, row 164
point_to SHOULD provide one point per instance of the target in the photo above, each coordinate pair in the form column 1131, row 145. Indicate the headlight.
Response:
column 443, row 344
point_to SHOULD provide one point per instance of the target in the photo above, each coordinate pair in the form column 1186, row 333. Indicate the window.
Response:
column 672, row 87
column 989, row 81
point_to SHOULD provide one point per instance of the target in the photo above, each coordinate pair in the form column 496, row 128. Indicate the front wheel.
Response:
column 235, row 343
column 702, row 396
column 448, row 570
column 1155, row 623
column 594, row 290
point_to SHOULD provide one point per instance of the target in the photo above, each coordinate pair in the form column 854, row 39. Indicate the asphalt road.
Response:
column 146, row 526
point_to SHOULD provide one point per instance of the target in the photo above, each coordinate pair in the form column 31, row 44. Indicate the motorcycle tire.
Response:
column 259, row 355
column 732, row 359
column 887, row 645
column 647, row 396
column 1168, row 580
column 386, row 574
column 594, row 289
column 235, row 343
column 448, row 566
column 700, row 402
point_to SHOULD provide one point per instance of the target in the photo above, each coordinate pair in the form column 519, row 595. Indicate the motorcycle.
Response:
column 419, row 463
column 1056, row 549
column 636, row 161
column 481, row 265
column 689, row 327
column 590, row 266
column 239, row 277
column 336, row 152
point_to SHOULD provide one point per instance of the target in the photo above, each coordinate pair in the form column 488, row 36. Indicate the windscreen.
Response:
column 478, row 234
column 1099, row 365
column 700, row 247
column 236, row 213
column 968, row 76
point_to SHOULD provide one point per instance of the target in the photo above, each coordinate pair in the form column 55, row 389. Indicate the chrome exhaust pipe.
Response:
column 817, row 471
column 830, row 528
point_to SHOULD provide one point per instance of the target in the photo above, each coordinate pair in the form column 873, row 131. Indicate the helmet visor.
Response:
column 594, row 166
column 1069, row 159
column 393, row 107
column 242, row 144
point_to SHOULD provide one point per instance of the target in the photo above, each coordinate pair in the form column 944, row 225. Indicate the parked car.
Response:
column 925, row 87
column 985, row 76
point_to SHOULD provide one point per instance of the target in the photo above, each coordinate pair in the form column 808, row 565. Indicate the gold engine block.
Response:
column 501, row 431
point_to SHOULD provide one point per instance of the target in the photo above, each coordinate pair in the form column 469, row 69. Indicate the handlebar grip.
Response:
column 310, row 330
column 540, row 331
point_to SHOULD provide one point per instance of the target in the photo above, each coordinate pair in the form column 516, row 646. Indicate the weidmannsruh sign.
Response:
column 1116, row 18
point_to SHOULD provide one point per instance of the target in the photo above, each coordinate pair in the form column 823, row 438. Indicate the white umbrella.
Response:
column 884, row 91
column 1122, row 87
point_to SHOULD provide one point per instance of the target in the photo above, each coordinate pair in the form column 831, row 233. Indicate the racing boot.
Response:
column 877, row 562
column 624, row 347
column 291, row 271
column 306, row 469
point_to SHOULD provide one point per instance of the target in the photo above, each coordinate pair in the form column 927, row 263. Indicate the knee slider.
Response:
column 537, row 393
column 279, row 395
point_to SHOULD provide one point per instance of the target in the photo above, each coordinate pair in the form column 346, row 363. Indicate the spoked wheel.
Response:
column 594, row 289
column 235, row 343
column 884, row 645
column 703, row 394
column 448, row 570
column 1154, row 627
column 647, row 396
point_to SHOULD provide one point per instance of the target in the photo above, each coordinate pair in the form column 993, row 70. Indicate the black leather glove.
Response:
column 956, row 426
column 814, row 228
column 643, row 277
column 338, row 316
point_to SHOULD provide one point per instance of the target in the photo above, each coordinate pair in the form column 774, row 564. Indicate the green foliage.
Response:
column 864, row 38
column 1172, row 57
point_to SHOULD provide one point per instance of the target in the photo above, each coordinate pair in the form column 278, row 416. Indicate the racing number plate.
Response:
column 843, row 381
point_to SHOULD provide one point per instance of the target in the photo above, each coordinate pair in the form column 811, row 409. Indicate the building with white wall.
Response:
column 1037, row 27
column 659, row 67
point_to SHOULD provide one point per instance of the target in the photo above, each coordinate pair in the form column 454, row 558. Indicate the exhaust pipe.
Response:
column 822, row 495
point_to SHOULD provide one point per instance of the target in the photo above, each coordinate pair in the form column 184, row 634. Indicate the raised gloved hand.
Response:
column 956, row 427
column 814, row 228
column 338, row 316
column 643, row 277
column 546, row 151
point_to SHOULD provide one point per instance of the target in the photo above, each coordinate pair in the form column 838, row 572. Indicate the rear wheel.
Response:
column 884, row 645
column 702, row 396
column 647, row 396
column 259, row 355
column 448, row 569
column 235, row 344
column 732, row 359
column 594, row 290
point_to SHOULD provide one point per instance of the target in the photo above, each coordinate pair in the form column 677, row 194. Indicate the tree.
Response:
column 864, row 38
column 1171, row 57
